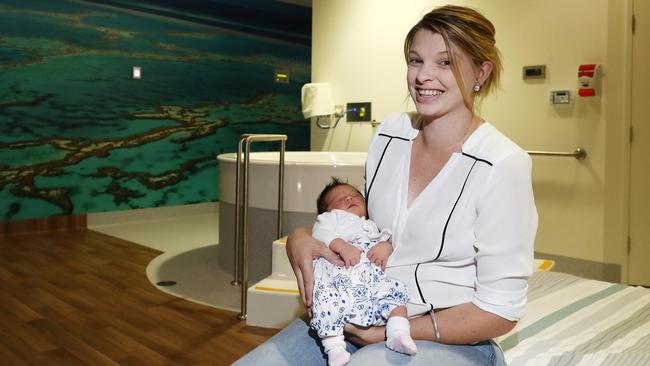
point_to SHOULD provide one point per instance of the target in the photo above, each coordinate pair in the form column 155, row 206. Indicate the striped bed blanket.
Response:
column 575, row 321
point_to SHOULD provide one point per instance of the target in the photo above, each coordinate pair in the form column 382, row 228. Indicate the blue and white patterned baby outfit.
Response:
column 360, row 295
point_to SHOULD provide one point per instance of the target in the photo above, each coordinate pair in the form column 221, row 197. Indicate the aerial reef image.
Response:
column 117, row 105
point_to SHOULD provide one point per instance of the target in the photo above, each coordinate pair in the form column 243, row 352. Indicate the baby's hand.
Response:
column 379, row 254
column 350, row 254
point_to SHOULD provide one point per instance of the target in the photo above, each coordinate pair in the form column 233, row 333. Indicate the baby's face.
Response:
column 346, row 198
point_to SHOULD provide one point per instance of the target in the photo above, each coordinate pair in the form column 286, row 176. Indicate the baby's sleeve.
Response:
column 385, row 235
column 375, row 235
column 325, row 228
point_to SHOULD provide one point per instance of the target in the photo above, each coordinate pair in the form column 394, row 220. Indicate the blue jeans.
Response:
column 297, row 344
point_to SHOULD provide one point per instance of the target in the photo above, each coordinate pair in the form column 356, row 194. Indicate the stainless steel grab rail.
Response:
column 241, row 208
column 579, row 153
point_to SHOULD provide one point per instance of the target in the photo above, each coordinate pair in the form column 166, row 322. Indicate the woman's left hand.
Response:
column 363, row 336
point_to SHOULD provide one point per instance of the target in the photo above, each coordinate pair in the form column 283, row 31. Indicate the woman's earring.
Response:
column 477, row 87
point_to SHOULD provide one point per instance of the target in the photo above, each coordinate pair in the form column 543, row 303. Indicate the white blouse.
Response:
column 468, row 236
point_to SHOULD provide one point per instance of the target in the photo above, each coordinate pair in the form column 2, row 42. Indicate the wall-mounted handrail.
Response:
column 238, row 192
column 578, row 153
column 241, row 207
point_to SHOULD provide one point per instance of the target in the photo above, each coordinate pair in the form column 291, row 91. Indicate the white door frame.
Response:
column 635, row 274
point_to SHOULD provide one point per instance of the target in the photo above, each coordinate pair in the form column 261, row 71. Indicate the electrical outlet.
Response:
column 359, row 112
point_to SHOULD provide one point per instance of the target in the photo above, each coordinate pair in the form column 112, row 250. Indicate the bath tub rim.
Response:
column 232, row 157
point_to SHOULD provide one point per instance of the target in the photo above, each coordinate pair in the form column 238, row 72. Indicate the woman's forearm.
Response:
column 461, row 324
column 302, row 249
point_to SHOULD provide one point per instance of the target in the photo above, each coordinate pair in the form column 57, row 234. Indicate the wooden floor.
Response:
column 83, row 298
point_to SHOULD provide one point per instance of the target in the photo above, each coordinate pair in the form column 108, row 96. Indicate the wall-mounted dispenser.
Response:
column 317, row 101
column 588, row 80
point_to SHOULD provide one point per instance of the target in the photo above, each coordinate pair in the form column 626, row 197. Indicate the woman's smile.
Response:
column 429, row 92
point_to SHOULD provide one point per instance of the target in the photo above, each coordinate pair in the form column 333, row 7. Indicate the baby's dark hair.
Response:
column 321, row 205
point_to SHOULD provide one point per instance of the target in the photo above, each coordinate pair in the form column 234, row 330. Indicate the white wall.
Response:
column 357, row 47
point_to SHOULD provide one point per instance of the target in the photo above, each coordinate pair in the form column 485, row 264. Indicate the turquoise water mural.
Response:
column 79, row 134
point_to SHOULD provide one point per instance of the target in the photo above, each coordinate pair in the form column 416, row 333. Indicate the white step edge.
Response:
column 280, row 266
column 273, row 303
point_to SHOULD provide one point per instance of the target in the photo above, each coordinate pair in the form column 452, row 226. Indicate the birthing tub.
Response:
column 306, row 173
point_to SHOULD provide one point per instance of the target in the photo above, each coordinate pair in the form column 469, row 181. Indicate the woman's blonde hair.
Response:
column 470, row 31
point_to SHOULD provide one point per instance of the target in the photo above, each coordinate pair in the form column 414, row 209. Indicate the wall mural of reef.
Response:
column 78, row 134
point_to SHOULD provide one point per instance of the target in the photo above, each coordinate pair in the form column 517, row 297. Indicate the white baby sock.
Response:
column 398, row 336
column 335, row 350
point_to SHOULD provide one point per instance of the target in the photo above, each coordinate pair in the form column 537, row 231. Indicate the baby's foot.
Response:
column 338, row 357
column 403, row 343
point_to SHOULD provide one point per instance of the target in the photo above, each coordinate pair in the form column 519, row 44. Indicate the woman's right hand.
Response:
column 302, row 249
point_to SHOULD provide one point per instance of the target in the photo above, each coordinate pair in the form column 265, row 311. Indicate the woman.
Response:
column 456, row 194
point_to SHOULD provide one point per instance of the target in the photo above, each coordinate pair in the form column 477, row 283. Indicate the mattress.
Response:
column 575, row 321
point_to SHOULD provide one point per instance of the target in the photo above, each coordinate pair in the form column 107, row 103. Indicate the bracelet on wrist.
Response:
column 436, row 331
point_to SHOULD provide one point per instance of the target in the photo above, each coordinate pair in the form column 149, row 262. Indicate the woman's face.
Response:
column 430, row 78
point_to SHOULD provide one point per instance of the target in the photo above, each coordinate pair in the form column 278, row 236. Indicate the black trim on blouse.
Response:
column 381, row 158
column 444, row 231
column 477, row 159
column 417, row 283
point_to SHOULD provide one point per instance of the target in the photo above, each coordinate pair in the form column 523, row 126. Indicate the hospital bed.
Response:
column 575, row 321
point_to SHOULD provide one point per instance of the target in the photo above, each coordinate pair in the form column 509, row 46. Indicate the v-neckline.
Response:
column 454, row 155
column 442, row 171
